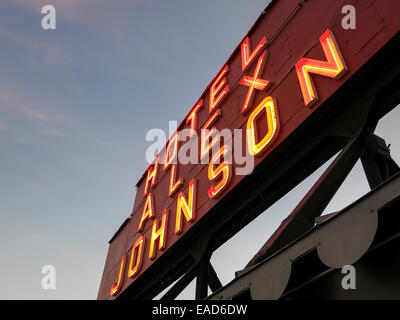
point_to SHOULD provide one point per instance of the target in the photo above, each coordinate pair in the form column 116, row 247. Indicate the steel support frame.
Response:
column 277, row 271
column 364, row 145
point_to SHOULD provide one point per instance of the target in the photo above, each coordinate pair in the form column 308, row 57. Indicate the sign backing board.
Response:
column 291, row 61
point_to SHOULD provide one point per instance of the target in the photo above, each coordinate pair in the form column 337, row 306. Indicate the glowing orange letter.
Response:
column 159, row 234
column 223, row 168
column 115, row 287
column 187, row 207
column 151, row 176
column 218, row 91
column 269, row 105
column 148, row 211
column 334, row 67
column 254, row 83
column 174, row 185
column 205, row 145
column 192, row 116
column 245, row 51
column 168, row 157
column 137, row 247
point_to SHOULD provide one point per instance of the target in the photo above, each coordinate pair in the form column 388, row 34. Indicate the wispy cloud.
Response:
column 3, row 127
column 20, row 102
column 12, row 103
column 77, row 11
column 68, row 8
column 42, row 137
column 54, row 133
column 49, row 54
column 98, row 15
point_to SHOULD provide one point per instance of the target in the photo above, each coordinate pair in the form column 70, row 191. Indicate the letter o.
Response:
column 269, row 105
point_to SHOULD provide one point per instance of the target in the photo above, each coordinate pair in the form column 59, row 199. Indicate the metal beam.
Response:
column 302, row 218
column 181, row 284
column 213, row 280
column 377, row 162
column 202, row 278
column 269, row 279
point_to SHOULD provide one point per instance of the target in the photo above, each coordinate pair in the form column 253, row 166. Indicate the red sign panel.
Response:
column 293, row 59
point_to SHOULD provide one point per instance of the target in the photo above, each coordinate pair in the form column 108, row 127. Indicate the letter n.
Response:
column 187, row 207
column 334, row 67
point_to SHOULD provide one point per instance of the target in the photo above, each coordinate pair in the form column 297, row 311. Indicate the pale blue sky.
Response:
column 75, row 106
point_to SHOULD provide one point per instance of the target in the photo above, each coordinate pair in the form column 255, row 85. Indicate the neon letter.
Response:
column 159, row 234
column 168, row 157
column 245, row 51
column 207, row 133
column 147, row 212
column 187, row 207
column 192, row 117
column 269, row 105
column 174, row 185
column 254, row 83
column 137, row 247
column 151, row 176
column 334, row 67
column 223, row 168
column 115, row 287
column 216, row 89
